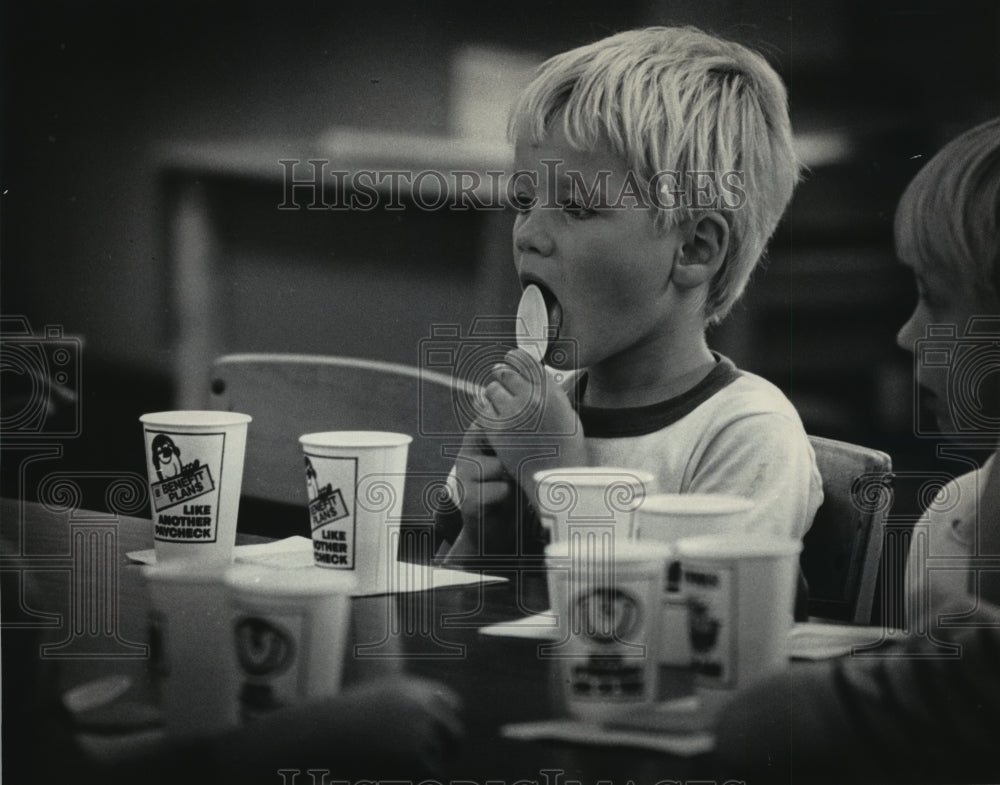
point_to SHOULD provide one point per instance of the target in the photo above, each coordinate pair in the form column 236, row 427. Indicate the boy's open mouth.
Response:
column 552, row 307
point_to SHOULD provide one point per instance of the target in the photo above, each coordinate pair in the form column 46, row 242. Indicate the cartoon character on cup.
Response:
column 311, row 480
column 166, row 457
column 703, row 628
column 610, row 617
column 264, row 651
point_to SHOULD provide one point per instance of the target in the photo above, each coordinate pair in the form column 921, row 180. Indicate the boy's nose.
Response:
column 530, row 235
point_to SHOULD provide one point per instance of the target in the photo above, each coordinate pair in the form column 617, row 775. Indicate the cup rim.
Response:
column 599, row 475
column 736, row 546
column 628, row 552
column 194, row 419
column 354, row 439
column 694, row 504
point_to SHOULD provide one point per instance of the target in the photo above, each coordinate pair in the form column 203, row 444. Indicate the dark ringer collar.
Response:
column 639, row 420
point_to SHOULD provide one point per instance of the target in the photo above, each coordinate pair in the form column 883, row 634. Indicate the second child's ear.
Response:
column 706, row 242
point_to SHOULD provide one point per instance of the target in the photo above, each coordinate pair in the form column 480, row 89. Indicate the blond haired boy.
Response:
column 652, row 167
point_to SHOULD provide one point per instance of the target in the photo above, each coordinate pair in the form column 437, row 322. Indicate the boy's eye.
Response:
column 577, row 210
column 523, row 201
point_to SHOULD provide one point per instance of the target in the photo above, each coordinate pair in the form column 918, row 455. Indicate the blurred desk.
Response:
column 79, row 590
column 270, row 250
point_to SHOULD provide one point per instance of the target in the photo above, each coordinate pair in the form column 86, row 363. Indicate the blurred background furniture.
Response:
column 289, row 395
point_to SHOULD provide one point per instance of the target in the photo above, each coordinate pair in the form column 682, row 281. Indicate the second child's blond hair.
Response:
column 675, row 99
column 949, row 216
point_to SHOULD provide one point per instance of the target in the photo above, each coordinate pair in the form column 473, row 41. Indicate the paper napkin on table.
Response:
column 539, row 626
column 821, row 641
column 296, row 553
column 806, row 640
column 287, row 553
column 578, row 732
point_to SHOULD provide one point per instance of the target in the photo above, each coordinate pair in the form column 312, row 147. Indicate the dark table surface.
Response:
column 86, row 600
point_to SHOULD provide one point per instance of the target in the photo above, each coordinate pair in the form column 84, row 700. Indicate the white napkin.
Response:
column 296, row 553
column 806, row 640
column 578, row 732
column 821, row 641
column 539, row 626
column 279, row 553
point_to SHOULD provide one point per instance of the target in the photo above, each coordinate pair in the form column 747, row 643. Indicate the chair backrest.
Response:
column 289, row 395
column 842, row 550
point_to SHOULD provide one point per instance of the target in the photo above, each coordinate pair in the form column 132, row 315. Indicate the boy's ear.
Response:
column 706, row 242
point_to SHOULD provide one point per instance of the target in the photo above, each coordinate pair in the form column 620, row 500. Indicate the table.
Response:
column 88, row 602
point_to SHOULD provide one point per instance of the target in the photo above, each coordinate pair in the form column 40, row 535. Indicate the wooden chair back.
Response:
column 843, row 548
column 289, row 395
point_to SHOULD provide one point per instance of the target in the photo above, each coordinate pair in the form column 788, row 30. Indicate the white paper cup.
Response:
column 192, row 658
column 669, row 517
column 606, row 594
column 591, row 496
column 194, row 461
column 355, row 482
column 289, row 633
column 741, row 594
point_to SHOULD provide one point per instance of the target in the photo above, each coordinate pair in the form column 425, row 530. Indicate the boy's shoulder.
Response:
column 746, row 400
column 757, row 393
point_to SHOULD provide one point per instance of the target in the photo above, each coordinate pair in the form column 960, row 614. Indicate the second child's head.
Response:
column 947, row 231
column 662, row 147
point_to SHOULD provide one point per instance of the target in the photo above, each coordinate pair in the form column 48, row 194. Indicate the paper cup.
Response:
column 194, row 460
column 355, row 482
column 192, row 658
column 606, row 595
column 591, row 496
column 289, row 633
column 741, row 593
column 669, row 517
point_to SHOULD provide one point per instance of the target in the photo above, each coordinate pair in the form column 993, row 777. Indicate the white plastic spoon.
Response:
column 533, row 323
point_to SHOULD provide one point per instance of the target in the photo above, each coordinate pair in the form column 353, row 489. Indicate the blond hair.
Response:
column 948, row 216
column 675, row 99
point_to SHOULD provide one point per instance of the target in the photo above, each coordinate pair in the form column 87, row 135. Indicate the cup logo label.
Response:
column 266, row 653
column 262, row 648
column 609, row 615
column 185, row 494
column 608, row 677
column 331, row 484
column 711, row 626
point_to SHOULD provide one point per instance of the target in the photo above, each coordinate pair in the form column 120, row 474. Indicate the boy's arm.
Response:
column 913, row 714
column 481, row 497
column 500, row 455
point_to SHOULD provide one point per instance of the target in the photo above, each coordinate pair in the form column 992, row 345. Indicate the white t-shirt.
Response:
column 733, row 433
column 939, row 567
